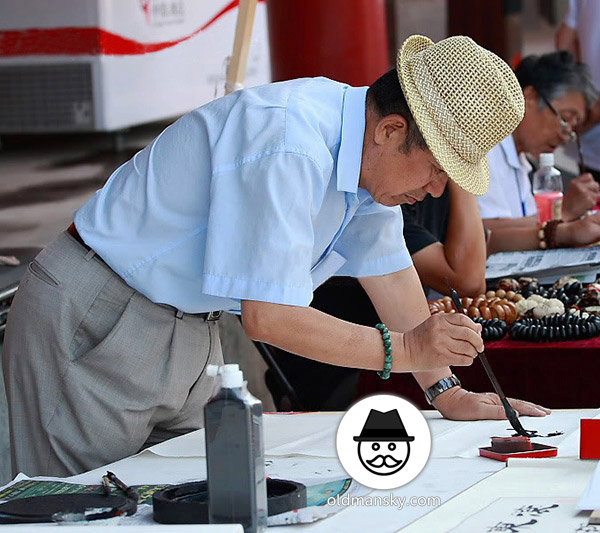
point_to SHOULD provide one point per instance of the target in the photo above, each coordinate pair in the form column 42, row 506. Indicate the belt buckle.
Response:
column 213, row 316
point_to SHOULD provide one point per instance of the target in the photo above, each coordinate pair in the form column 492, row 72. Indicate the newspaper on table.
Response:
column 547, row 265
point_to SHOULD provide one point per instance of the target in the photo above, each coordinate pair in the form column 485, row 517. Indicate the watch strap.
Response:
column 442, row 385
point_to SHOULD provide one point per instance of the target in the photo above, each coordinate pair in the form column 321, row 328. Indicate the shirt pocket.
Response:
column 326, row 268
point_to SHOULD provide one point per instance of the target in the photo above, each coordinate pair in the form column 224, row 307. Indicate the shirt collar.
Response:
column 510, row 152
column 353, row 132
column 514, row 159
column 525, row 164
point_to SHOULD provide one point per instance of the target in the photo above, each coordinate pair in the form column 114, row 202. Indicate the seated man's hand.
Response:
column 443, row 340
column 581, row 196
column 458, row 404
column 579, row 232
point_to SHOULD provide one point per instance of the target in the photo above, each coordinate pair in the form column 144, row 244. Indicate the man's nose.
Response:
column 567, row 135
column 436, row 187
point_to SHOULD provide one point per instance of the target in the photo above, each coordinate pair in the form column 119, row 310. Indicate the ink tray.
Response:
column 188, row 503
column 537, row 450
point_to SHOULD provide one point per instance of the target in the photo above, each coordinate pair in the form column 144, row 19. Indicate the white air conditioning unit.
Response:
column 106, row 65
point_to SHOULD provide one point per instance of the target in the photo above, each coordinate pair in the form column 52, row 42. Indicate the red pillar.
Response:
column 345, row 40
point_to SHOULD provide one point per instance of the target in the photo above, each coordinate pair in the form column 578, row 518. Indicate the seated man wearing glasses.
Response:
column 558, row 93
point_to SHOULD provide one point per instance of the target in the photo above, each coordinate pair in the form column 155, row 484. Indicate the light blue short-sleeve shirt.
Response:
column 253, row 196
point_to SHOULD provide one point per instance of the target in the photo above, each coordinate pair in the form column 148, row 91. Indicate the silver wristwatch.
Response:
column 441, row 386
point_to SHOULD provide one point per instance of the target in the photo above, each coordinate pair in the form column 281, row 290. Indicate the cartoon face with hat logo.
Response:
column 374, row 445
column 383, row 444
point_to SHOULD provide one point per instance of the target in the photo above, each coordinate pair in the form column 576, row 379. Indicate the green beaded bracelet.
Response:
column 387, row 345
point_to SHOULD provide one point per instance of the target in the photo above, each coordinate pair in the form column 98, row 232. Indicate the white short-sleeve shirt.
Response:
column 509, row 195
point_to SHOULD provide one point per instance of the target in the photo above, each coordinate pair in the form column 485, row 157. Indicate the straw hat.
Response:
column 465, row 100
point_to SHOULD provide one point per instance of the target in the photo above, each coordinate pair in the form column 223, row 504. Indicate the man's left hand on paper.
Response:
column 460, row 404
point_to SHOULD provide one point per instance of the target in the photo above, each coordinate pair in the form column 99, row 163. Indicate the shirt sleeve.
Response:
column 259, row 239
column 415, row 235
column 373, row 243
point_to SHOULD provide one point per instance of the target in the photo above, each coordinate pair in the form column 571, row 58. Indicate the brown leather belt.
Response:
column 72, row 231
column 211, row 316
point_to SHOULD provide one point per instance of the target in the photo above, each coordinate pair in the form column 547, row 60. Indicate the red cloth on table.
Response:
column 558, row 375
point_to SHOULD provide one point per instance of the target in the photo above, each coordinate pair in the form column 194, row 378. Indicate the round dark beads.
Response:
column 493, row 329
column 555, row 328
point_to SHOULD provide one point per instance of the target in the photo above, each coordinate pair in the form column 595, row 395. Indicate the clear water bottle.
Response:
column 237, row 486
column 548, row 189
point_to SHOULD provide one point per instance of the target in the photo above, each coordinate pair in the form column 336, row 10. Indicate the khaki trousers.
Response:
column 95, row 371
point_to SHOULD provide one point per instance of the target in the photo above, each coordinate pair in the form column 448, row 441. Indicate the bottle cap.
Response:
column 231, row 375
column 547, row 160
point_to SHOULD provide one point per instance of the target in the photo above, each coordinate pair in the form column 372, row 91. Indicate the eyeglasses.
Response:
column 566, row 128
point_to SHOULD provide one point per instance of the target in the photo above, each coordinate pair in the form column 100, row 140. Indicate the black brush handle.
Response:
column 490, row 374
column 511, row 414
column 456, row 301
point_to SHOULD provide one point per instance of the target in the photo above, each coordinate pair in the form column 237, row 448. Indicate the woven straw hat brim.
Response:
column 472, row 177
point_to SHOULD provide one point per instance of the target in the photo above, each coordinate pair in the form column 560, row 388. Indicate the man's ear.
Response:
column 531, row 97
column 393, row 128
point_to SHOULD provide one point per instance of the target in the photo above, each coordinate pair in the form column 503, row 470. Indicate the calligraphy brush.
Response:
column 579, row 153
column 511, row 414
